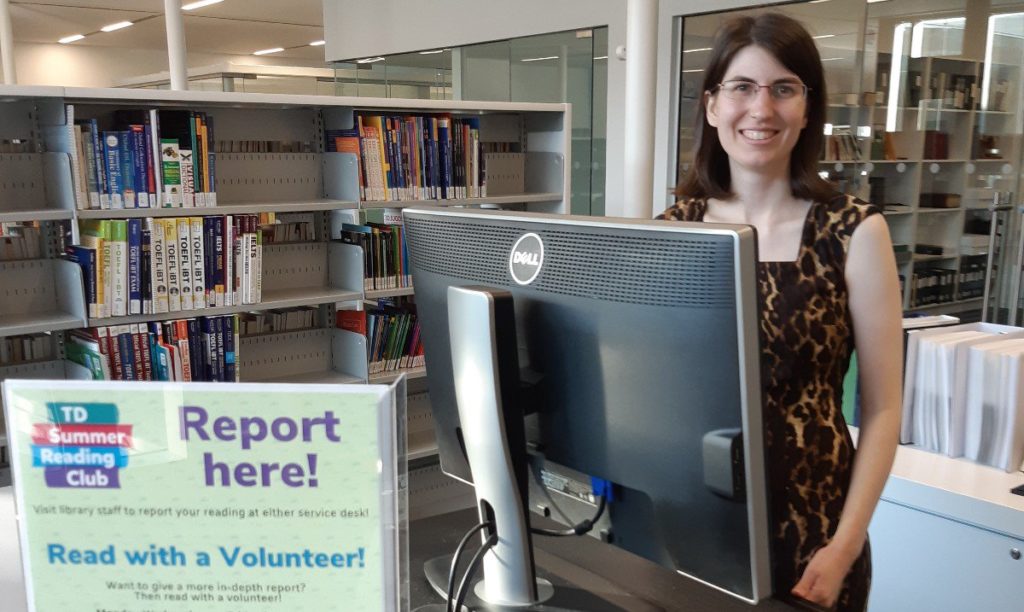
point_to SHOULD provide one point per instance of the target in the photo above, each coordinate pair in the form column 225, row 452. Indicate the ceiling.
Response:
column 232, row 27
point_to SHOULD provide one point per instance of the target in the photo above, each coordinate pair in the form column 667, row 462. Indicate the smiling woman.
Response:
column 827, row 283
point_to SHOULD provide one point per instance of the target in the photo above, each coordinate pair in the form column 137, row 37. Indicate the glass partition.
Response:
column 924, row 120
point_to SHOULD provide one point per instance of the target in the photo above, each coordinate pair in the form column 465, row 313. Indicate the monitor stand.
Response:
column 485, row 366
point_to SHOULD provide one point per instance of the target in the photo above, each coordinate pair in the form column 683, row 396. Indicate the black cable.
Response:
column 576, row 530
column 467, row 579
column 455, row 563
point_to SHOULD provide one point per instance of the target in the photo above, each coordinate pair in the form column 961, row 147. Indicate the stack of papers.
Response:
column 963, row 393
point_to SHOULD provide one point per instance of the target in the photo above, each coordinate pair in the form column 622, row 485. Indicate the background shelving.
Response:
column 299, row 179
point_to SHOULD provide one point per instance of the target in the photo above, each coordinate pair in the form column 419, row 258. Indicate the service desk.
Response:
column 607, row 579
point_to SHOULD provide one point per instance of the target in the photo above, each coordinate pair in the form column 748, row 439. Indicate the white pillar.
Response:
column 175, row 44
column 641, row 63
column 7, row 43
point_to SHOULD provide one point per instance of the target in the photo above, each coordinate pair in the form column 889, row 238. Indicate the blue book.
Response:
column 230, row 362
column 218, row 357
column 112, row 168
column 127, row 350
column 134, row 266
column 85, row 257
column 137, row 141
column 161, row 357
column 98, row 167
column 195, row 355
column 211, row 189
column 209, row 345
column 127, row 168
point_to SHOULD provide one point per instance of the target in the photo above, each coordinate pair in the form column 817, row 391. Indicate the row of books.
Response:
column 971, row 280
column 20, row 240
column 932, row 286
column 415, row 157
column 17, row 145
column 964, row 393
column 392, row 335
column 26, row 348
column 277, row 320
column 197, row 349
column 380, row 234
column 153, row 266
column 263, row 146
column 841, row 146
column 147, row 158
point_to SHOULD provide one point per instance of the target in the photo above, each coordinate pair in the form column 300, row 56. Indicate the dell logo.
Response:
column 526, row 258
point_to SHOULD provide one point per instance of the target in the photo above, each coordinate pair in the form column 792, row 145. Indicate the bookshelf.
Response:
column 934, row 153
column 47, row 293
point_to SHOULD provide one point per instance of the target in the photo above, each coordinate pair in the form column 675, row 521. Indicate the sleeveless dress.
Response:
column 806, row 342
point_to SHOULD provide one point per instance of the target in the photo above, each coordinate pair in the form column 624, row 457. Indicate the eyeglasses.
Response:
column 746, row 91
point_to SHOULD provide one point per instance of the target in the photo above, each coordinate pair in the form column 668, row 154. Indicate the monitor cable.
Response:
column 474, row 563
column 582, row 528
column 455, row 562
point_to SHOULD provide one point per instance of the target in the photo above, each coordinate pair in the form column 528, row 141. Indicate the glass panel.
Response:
column 485, row 72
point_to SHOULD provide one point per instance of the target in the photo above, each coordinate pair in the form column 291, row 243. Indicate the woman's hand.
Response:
column 823, row 578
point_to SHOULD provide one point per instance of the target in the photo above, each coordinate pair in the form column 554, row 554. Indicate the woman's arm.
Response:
column 876, row 311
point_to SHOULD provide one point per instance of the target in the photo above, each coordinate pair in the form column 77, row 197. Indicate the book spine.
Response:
column 198, row 263
column 211, row 192
column 231, row 373
column 185, row 262
column 218, row 255
column 99, row 163
column 170, row 230
column 147, row 271
column 119, row 265
column 134, row 266
column 171, row 169
column 138, row 150
column 158, row 271
column 149, row 165
column 112, row 168
column 188, row 179
column 127, row 168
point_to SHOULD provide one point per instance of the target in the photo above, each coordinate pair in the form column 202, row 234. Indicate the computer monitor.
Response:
column 637, row 343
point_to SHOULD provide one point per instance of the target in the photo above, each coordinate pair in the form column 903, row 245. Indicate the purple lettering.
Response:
column 193, row 417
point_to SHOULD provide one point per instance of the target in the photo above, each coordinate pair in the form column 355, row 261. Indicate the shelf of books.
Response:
column 932, row 148
column 159, row 235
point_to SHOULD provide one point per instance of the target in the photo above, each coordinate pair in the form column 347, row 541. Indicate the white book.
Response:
column 198, row 263
column 170, row 228
column 229, row 297
column 257, row 269
column 188, row 179
column 119, row 267
column 185, row 262
column 157, row 266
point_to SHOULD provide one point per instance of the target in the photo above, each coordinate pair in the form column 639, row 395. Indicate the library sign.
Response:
column 163, row 496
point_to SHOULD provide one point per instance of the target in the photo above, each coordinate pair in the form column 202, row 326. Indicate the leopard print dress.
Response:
column 806, row 343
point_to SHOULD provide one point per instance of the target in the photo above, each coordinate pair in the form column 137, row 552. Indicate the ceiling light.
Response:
column 820, row 36
column 317, row 43
column 268, row 51
column 831, row 59
column 194, row 5
column 370, row 60
column 695, row 70
column 695, row 50
column 604, row 57
column 116, row 26
column 539, row 59
column 71, row 39
column 432, row 52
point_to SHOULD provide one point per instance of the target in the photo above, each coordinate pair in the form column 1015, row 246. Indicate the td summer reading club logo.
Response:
column 526, row 258
column 82, row 446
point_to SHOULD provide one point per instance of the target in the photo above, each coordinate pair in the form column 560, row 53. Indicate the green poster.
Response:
column 158, row 496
